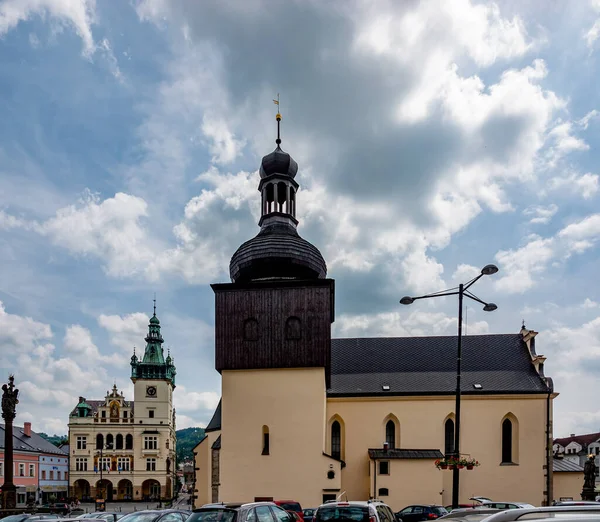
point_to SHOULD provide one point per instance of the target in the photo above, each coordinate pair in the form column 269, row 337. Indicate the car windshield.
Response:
column 439, row 510
column 213, row 515
column 291, row 506
column 343, row 514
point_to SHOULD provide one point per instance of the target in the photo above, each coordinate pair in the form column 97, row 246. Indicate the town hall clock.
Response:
column 151, row 391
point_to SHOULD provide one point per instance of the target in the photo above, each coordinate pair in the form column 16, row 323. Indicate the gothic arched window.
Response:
column 390, row 434
column 336, row 440
column 449, row 437
column 507, row 441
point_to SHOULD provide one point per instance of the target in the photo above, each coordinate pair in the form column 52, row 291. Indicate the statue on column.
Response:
column 589, row 479
column 9, row 412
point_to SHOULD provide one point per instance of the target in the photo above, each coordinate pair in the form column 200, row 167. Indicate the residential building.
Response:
column 31, row 453
column 308, row 417
column 122, row 449
column 576, row 448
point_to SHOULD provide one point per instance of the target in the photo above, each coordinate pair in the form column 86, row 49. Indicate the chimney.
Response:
column 27, row 429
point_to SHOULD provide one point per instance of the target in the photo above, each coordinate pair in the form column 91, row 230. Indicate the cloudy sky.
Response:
column 433, row 137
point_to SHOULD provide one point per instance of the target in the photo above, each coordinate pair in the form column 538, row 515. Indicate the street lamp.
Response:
column 462, row 290
column 103, row 447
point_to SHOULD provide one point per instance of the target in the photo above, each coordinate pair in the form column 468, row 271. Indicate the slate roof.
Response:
column 405, row 454
column 215, row 422
column 501, row 363
column 585, row 440
column 34, row 444
column 566, row 465
column 98, row 404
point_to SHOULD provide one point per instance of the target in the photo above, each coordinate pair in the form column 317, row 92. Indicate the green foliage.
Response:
column 187, row 439
column 57, row 440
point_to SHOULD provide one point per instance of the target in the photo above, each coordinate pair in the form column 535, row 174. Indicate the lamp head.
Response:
column 490, row 307
column 406, row 300
column 489, row 270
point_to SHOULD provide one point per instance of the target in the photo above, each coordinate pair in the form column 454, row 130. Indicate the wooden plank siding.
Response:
column 271, row 305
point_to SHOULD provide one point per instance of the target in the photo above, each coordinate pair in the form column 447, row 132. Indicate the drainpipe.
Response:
column 375, row 477
column 550, row 386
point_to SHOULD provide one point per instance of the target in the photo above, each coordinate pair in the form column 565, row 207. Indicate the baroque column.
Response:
column 9, row 407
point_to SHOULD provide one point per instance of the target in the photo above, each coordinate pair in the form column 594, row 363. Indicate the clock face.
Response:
column 151, row 391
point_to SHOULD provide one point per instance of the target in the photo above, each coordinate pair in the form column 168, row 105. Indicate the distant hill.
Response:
column 57, row 440
column 186, row 441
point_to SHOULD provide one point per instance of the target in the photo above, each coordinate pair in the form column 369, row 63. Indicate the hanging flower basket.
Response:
column 470, row 463
column 445, row 463
column 459, row 466
column 469, row 466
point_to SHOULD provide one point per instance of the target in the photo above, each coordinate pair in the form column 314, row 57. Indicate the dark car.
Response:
column 240, row 512
column 309, row 514
column 27, row 517
column 419, row 512
column 155, row 515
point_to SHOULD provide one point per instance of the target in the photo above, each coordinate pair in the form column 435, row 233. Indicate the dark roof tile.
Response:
column 376, row 453
column 500, row 363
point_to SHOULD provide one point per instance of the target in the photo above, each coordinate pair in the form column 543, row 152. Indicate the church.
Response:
column 306, row 417
column 125, row 449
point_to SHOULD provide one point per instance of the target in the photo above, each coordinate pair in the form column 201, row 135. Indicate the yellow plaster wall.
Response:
column 568, row 484
column 291, row 402
column 421, row 427
column 204, row 471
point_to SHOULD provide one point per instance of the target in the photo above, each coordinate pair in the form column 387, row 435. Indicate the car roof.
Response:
column 510, row 515
column 233, row 505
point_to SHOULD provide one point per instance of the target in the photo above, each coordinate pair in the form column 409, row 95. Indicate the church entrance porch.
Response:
column 151, row 490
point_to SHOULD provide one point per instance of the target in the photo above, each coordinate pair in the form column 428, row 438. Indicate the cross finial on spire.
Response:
column 278, row 118
column 154, row 300
column 523, row 324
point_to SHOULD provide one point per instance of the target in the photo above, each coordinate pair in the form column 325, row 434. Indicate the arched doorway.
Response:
column 125, row 490
column 104, row 489
column 151, row 490
column 81, row 489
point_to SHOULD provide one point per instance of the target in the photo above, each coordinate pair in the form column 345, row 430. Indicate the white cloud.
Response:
column 125, row 331
column 584, row 185
column 191, row 401
column 588, row 303
column 540, row 214
column 533, row 258
column 80, row 14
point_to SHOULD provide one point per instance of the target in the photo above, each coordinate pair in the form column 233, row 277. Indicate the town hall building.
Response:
column 310, row 418
column 125, row 449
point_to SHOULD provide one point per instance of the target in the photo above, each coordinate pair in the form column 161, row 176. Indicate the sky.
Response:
column 432, row 137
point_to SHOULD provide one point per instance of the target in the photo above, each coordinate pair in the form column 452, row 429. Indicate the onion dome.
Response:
column 277, row 251
column 278, row 162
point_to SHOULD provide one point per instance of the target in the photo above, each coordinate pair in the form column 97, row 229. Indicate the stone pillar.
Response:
column 9, row 412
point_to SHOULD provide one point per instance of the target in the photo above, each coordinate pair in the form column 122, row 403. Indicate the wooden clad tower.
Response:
column 278, row 309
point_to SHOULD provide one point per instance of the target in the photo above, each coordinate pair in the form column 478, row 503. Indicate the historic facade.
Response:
column 125, row 449
column 307, row 417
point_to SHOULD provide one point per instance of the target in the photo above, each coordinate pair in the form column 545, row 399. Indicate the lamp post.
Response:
column 102, row 447
column 461, row 291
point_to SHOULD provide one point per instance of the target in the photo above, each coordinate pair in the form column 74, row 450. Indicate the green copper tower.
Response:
column 153, row 365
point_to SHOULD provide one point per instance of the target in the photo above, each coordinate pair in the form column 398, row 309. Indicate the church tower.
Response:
column 272, row 348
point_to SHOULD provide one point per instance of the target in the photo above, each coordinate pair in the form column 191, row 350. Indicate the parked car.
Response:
column 418, row 512
column 354, row 511
column 547, row 512
column 28, row 517
column 240, row 512
column 156, row 515
column 308, row 514
column 290, row 505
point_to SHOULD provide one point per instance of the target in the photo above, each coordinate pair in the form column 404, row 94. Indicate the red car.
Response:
column 291, row 506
